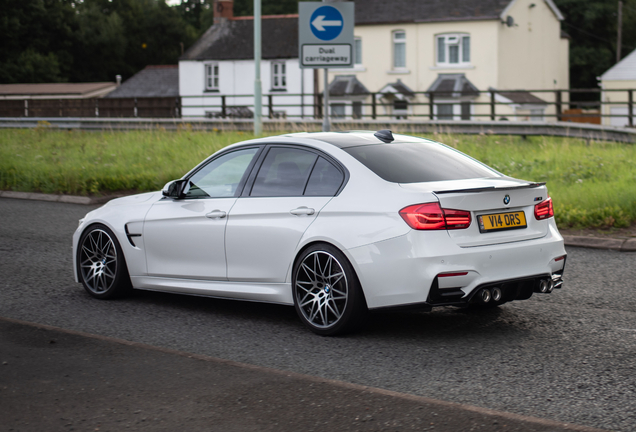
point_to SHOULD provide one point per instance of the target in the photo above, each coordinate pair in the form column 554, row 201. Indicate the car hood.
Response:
column 133, row 199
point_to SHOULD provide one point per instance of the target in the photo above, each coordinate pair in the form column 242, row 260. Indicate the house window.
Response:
column 536, row 114
column 356, row 110
column 212, row 76
column 465, row 107
column 399, row 50
column 444, row 111
column 357, row 51
column 453, row 49
column 279, row 76
column 400, row 109
column 337, row 111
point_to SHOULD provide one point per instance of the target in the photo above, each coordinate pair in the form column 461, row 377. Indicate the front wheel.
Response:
column 327, row 294
column 100, row 263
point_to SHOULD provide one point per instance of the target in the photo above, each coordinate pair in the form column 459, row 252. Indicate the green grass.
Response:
column 593, row 184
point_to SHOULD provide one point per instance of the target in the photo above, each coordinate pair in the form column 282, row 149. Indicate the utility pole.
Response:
column 258, row 91
column 619, row 37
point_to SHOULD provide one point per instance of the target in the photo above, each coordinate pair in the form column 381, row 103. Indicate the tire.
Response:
column 101, row 266
column 327, row 294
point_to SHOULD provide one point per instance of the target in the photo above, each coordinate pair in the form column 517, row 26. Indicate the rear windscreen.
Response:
column 419, row 162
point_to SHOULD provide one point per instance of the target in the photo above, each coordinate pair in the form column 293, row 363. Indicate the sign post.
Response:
column 325, row 39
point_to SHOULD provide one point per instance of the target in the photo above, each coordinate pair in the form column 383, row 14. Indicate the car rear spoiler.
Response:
column 491, row 188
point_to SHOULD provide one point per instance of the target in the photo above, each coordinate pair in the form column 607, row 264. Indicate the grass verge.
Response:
column 593, row 184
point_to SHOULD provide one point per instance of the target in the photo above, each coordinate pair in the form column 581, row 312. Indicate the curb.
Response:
column 70, row 199
column 621, row 245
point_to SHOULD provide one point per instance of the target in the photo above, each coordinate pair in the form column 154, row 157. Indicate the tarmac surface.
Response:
column 58, row 380
column 55, row 379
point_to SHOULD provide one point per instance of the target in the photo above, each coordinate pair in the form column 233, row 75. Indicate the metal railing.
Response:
column 488, row 105
column 573, row 105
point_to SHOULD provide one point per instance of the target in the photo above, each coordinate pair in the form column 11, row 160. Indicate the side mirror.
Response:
column 174, row 189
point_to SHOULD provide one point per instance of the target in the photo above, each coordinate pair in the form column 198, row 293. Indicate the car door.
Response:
column 185, row 238
column 266, row 223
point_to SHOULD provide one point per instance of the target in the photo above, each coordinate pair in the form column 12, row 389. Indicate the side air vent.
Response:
column 130, row 236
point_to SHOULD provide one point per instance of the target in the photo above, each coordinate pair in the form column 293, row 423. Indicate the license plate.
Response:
column 502, row 221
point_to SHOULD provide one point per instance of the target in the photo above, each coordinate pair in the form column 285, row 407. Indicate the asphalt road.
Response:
column 568, row 356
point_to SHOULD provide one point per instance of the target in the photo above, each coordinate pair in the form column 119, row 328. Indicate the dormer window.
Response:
column 453, row 49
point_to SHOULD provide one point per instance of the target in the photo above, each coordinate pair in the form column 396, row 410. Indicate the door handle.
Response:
column 302, row 211
column 216, row 214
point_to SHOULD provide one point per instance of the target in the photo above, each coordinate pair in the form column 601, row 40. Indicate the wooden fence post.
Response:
column 223, row 107
column 431, row 106
column 559, row 108
column 630, row 107
column 492, row 105
column 318, row 107
column 373, row 107
column 270, row 106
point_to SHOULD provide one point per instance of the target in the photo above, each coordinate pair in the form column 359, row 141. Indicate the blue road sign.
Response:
column 326, row 23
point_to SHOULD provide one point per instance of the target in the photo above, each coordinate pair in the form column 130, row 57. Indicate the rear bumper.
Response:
column 405, row 270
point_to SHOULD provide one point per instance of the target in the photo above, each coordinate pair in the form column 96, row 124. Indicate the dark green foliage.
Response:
column 89, row 40
column 593, row 25
column 37, row 40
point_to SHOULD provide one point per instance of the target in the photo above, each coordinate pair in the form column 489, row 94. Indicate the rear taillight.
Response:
column 544, row 210
column 431, row 216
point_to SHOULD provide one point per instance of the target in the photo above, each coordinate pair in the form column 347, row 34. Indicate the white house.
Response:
column 621, row 76
column 216, row 74
column 410, row 58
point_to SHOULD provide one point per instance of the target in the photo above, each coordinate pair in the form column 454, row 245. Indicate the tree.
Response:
column 592, row 25
column 37, row 40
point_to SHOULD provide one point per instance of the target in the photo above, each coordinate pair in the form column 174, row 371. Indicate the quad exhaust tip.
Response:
column 485, row 295
column 546, row 285
column 496, row 294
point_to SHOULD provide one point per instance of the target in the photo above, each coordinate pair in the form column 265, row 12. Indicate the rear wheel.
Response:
column 327, row 294
column 100, row 263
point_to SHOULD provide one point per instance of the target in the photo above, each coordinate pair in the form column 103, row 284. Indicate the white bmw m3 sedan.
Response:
column 335, row 224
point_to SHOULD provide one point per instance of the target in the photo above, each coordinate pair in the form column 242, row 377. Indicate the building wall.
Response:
column 421, row 69
column 618, row 101
column 532, row 53
column 236, row 77
column 529, row 55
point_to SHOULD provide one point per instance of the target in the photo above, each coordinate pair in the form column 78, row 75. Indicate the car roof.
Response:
column 353, row 138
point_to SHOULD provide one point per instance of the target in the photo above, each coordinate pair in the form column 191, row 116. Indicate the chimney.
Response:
column 223, row 10
column 118, row 80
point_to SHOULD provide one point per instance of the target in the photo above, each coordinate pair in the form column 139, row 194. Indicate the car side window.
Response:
column 284, row 172
column 221, row 177
column 325, row 179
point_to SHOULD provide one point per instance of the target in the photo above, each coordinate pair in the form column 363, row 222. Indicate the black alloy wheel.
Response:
column 100, row 263
column 327, row 294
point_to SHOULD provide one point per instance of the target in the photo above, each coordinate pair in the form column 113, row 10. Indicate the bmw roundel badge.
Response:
column 507, row 199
